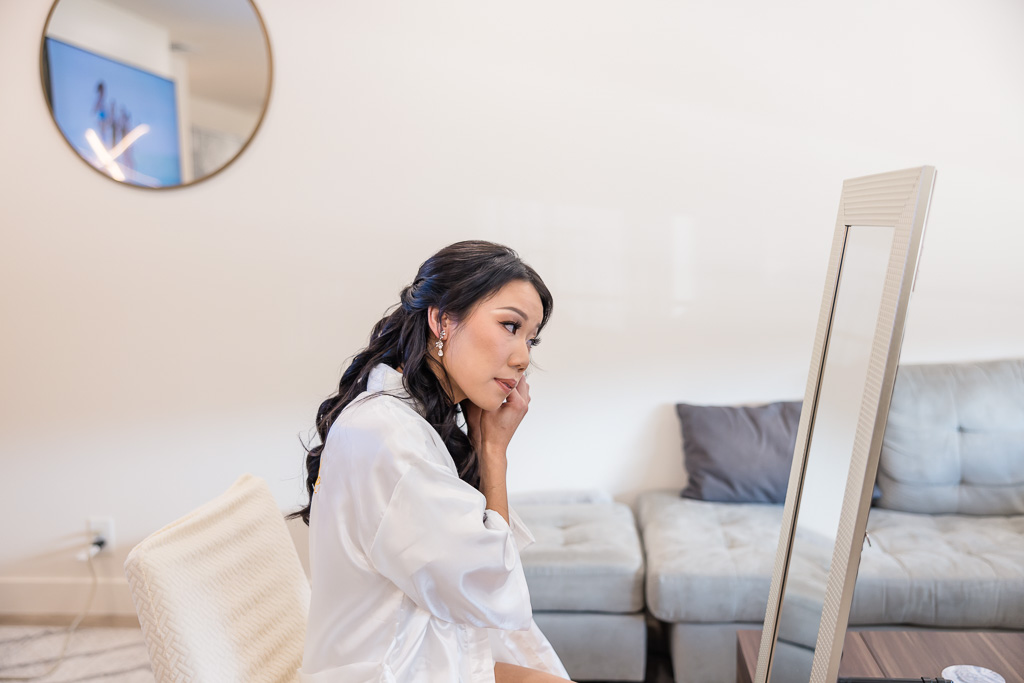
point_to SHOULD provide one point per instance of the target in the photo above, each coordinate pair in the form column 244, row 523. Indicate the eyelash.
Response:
column 515, row 328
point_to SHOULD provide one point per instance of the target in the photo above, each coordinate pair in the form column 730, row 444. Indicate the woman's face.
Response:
column 487, row 352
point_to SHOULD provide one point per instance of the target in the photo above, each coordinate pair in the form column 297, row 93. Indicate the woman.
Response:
column 413, row 547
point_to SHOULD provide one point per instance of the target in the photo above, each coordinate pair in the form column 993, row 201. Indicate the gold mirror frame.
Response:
column 44, row 81
column 899, row 200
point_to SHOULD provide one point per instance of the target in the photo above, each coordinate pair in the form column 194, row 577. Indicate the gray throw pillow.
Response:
column 737, row 454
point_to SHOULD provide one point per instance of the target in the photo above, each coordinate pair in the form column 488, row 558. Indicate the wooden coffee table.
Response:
column 907, row 654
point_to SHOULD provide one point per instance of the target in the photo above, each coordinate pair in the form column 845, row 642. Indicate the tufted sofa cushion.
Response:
column 707, row 561
column 587, row 557
column 712, row 562
column 941, row 570
column 954, row 442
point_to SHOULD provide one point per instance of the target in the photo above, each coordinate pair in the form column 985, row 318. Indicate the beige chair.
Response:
column 221, row 593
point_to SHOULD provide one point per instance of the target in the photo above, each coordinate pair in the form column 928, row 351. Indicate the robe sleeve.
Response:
column 524, row 538
column 455, row 559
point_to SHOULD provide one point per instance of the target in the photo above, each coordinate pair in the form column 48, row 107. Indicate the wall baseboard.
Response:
column 57, row 597
column 64, row 620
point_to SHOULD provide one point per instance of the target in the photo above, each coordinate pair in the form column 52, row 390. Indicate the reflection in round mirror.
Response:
column 156, row 93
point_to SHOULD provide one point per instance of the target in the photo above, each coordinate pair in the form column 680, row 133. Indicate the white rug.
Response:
column 106, row 655
column 118, row 655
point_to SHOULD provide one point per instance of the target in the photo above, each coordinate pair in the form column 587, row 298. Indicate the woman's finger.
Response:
column 519, row 398
column 523, row 389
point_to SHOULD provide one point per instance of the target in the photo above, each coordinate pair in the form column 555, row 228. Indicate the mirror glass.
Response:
column 156, row 93
column 865, row 262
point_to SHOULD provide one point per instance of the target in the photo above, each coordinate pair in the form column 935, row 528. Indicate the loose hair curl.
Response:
column 453, row 280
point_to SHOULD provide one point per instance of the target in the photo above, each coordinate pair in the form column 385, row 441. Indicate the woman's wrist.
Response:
column 493, row 461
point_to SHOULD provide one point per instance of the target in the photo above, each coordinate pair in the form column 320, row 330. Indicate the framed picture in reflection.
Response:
column 121, row 119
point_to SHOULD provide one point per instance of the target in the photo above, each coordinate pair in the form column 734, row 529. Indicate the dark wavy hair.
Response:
column 453, row 280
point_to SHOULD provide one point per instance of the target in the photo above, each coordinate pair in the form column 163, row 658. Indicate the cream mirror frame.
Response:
column 871, row 273
column 156, row 93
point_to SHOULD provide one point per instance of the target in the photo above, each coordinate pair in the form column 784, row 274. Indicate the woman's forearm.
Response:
column 493, row 468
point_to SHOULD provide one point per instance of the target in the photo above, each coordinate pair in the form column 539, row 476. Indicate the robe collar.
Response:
column 385, row 379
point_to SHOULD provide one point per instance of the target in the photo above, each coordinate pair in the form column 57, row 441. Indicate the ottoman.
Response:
column 586, row 579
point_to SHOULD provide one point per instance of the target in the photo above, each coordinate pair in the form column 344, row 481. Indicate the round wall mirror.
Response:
column 156, row 93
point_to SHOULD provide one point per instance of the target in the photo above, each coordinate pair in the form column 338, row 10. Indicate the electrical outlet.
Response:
column 103, row 527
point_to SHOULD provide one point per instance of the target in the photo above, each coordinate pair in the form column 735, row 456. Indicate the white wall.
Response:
column 671, row 169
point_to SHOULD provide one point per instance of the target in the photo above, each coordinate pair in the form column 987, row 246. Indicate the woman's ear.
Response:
column 436, row 321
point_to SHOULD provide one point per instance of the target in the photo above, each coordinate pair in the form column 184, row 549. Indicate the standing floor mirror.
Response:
column 875, row 250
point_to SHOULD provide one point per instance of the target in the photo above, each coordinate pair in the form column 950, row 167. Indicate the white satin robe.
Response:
column 413, row 579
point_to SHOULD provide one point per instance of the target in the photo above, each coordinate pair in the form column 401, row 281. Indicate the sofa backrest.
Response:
column 954, row 442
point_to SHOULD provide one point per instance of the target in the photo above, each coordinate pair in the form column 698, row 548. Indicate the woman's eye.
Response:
column 513, row 328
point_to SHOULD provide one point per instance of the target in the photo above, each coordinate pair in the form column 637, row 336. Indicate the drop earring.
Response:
column 440, row 345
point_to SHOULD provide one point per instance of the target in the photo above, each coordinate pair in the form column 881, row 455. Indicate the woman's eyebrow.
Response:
column 516, row 310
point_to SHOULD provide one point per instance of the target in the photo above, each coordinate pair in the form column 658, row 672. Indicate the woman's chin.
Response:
column 488, row 404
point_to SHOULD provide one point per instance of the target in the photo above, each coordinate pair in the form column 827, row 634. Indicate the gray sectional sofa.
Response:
column 586, row 577
column 946, row 530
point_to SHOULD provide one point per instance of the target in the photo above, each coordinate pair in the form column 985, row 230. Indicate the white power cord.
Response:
column 87, row 554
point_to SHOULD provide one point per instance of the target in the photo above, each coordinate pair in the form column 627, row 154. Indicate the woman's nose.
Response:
column 521, row 356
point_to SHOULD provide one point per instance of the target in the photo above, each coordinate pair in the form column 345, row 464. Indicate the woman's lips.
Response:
column 506, row 384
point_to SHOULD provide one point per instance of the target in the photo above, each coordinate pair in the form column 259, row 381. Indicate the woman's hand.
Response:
column 492, row 430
